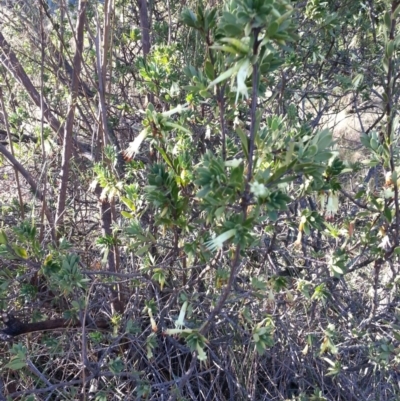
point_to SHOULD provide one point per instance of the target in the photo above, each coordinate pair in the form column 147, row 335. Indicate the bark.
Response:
column 102, row 53
column 14, row 327
column 145, row 29
column 144, row 26
column 67, row 138
column 19, row 75
column 102, row 61
column 5, row 117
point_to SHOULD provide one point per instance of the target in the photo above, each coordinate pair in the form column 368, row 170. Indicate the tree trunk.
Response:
column 144, row 26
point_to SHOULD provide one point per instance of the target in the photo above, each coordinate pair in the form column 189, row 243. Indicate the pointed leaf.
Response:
column 225, row 75
column 3, row 238
column 209, row 70
column 245, row 141
column 21, row 252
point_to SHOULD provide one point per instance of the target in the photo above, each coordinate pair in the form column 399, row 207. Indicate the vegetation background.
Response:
column 199, row 200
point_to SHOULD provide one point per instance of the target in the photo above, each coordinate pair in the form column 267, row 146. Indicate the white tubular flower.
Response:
column 174, row 90
column 201, row 355
column 388, row 193
column 218, row 242
column 134, row 146
column 225, row 75
column 241, row 69
column 233, row 163
column 208, row 132
column 385, row 243
column 177, row 109
column 181, row 319
column 93, row 185
column 258, row 190
column 237, row 122
column 332, row 206
column 241, row 80
column 172, row 332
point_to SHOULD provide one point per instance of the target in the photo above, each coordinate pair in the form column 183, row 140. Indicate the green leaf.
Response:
column 189, row 18
column 337, row 269
column 357, row 80
column 388, row 214
column 3, row 238
column 219, row 212
column 396, row 12
column 385, row 64
column 239, row 45
column 192, row 88
column 225, row 75
column 21, row 252
column 322, row 156
column 311, row 151
column 272, row 29
column 116, row 365
column 16, row 363
column 396, row 335
column 389, row 48
column 159, row 275
column 127, row 214
column 129, row 203
column 281, row 171
column 232, row 30
column 373, row 144
column 177, row 126
column 324, row 139
column 209, row 70
column 244, row 140
column 387, row 20
column 143, row 250
column 164, row 155
column 258, row 284
column 228, row 49
column 203, row 192
column 365, row 140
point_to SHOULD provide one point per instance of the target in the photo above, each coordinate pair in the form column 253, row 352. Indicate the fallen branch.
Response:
column 14, row 326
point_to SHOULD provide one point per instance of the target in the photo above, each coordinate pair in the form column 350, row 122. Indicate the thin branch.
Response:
column 28, row 179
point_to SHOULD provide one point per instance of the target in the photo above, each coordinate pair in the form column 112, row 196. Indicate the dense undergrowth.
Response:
column 181, row 216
